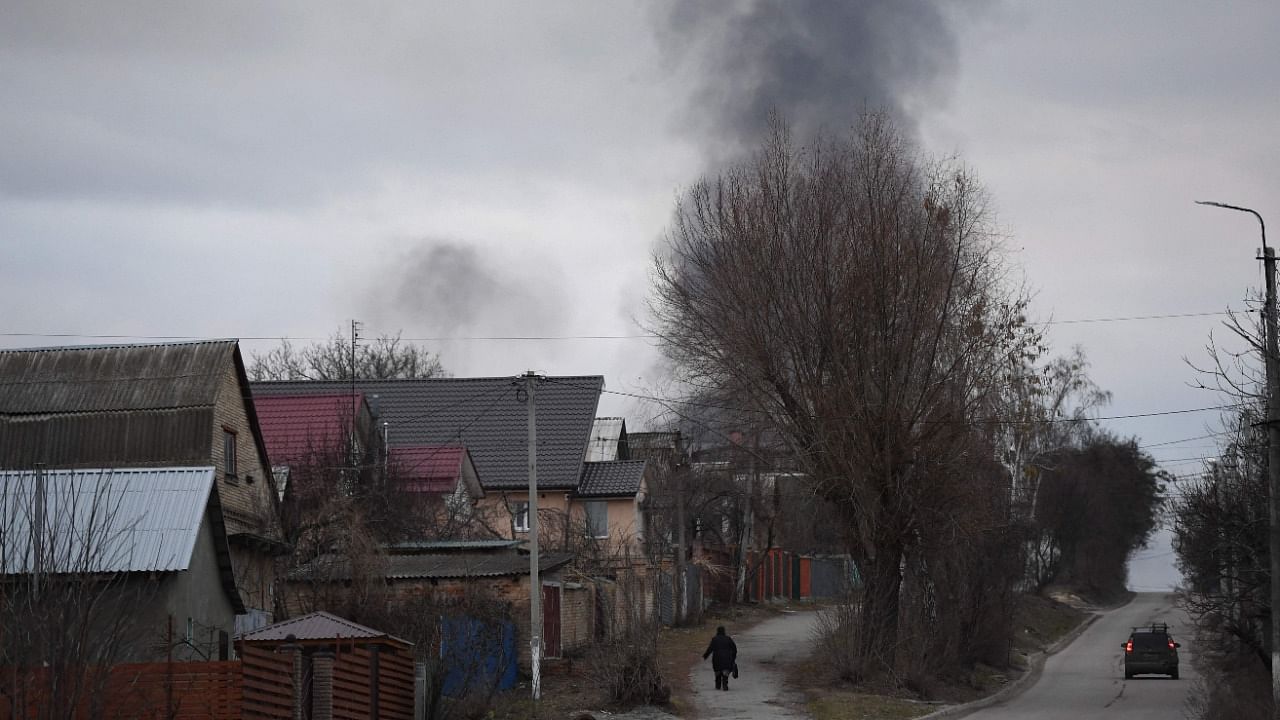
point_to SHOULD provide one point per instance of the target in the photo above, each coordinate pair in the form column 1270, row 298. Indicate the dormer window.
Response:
column 229, row 453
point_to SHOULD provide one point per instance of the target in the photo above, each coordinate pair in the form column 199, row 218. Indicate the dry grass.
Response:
column 846, row 705
column 566, row 689
column 1039, row 622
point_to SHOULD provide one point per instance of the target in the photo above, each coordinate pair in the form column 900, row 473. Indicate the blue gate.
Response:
column 477, row 654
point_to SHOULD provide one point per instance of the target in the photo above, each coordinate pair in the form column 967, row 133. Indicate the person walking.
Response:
column 724, row 657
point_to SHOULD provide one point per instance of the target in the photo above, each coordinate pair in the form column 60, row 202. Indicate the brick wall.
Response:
column 247, row 502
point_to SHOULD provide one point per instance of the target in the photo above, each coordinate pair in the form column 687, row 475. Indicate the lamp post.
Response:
column 1271, row 358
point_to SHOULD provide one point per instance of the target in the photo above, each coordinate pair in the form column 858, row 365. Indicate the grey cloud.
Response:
column 270, row 105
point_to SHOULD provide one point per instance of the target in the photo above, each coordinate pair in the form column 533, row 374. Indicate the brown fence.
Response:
column 134, row 691
column 267, row 678
column 365, row 679
column 368, row 680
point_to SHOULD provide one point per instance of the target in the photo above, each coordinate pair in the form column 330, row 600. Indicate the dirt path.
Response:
column 759, row 693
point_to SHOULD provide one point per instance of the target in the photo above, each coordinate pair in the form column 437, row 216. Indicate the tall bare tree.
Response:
column 856, row 295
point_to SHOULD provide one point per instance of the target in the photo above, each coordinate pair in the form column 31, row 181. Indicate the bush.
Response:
column 627, row 667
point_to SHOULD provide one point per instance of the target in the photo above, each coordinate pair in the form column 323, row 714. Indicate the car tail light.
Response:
column 1128, row 647
column 1171, row 645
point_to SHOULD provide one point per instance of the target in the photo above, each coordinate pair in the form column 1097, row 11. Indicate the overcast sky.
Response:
column 259, row 170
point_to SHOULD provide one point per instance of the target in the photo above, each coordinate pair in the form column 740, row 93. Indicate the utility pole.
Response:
column 535, row 582
column 1271, row 357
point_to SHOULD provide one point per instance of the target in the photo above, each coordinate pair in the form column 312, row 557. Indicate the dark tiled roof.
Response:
column 421, row 565
column 485, row 416
column 611, row 479
column 317, row 626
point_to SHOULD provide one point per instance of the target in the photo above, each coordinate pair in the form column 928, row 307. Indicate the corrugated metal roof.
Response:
column 485, row 416
column 317, row 626
column 298, row 427
column 441, row 565
column 112, row 378
column 421, row 545
column 611, row 479
column 103, row 520
column 605, row 436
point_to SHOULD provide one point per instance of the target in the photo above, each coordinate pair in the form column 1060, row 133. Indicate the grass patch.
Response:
column 1041, row 621
column 841, row 705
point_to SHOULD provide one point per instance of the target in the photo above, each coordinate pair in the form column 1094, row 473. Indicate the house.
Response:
column 147, row 406
column 329, row 443
column 436, row 575
column 441, row 479
column 304, row 434
column 137, row 558
column 488, row 417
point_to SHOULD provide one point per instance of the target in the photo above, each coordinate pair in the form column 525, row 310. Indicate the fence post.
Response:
column 295, row 672
column 322, row 685
column 419, row 690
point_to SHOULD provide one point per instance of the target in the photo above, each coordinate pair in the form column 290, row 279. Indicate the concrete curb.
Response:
column 1028, row 678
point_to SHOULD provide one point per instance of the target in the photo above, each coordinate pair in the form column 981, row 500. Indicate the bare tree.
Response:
column 69, row 611
column 384, row 357
column 856, row 295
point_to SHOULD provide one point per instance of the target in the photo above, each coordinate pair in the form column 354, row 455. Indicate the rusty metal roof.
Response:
column 45, row 381
column 317, row 626
column 438, row 565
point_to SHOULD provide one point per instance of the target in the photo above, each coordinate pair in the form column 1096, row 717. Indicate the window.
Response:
column 520, row 516
column 229, row 452
column 597, row 518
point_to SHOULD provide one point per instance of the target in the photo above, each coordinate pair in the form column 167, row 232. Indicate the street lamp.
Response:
column 1271, row 358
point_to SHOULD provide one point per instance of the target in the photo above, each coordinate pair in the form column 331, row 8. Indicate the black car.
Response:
column 1151, row 650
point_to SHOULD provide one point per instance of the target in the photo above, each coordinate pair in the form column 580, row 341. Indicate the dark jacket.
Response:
column 723, row 653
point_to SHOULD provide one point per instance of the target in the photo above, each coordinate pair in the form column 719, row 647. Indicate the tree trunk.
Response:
column 879, row 618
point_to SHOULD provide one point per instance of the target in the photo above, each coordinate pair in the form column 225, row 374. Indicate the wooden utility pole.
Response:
column 535, row 582
column 1271, row 357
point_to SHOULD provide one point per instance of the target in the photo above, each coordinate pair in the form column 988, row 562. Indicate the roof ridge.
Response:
column 113, row 346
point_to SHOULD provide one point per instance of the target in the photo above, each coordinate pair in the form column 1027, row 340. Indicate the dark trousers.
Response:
column 722, row 679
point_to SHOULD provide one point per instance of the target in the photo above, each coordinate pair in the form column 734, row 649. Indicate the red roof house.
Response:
column 437, row 470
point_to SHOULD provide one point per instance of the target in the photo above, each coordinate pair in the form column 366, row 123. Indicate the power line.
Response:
column 975, row 421
column 540, row 338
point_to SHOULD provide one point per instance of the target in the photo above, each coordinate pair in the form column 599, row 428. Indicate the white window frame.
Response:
column 520, row 516
column 230, row 461
column 599, row 528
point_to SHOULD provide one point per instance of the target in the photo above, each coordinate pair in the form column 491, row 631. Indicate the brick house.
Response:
column 160, row 405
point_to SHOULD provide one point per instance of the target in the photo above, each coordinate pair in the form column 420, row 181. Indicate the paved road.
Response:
column 1086, row 679
column 764, row 651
